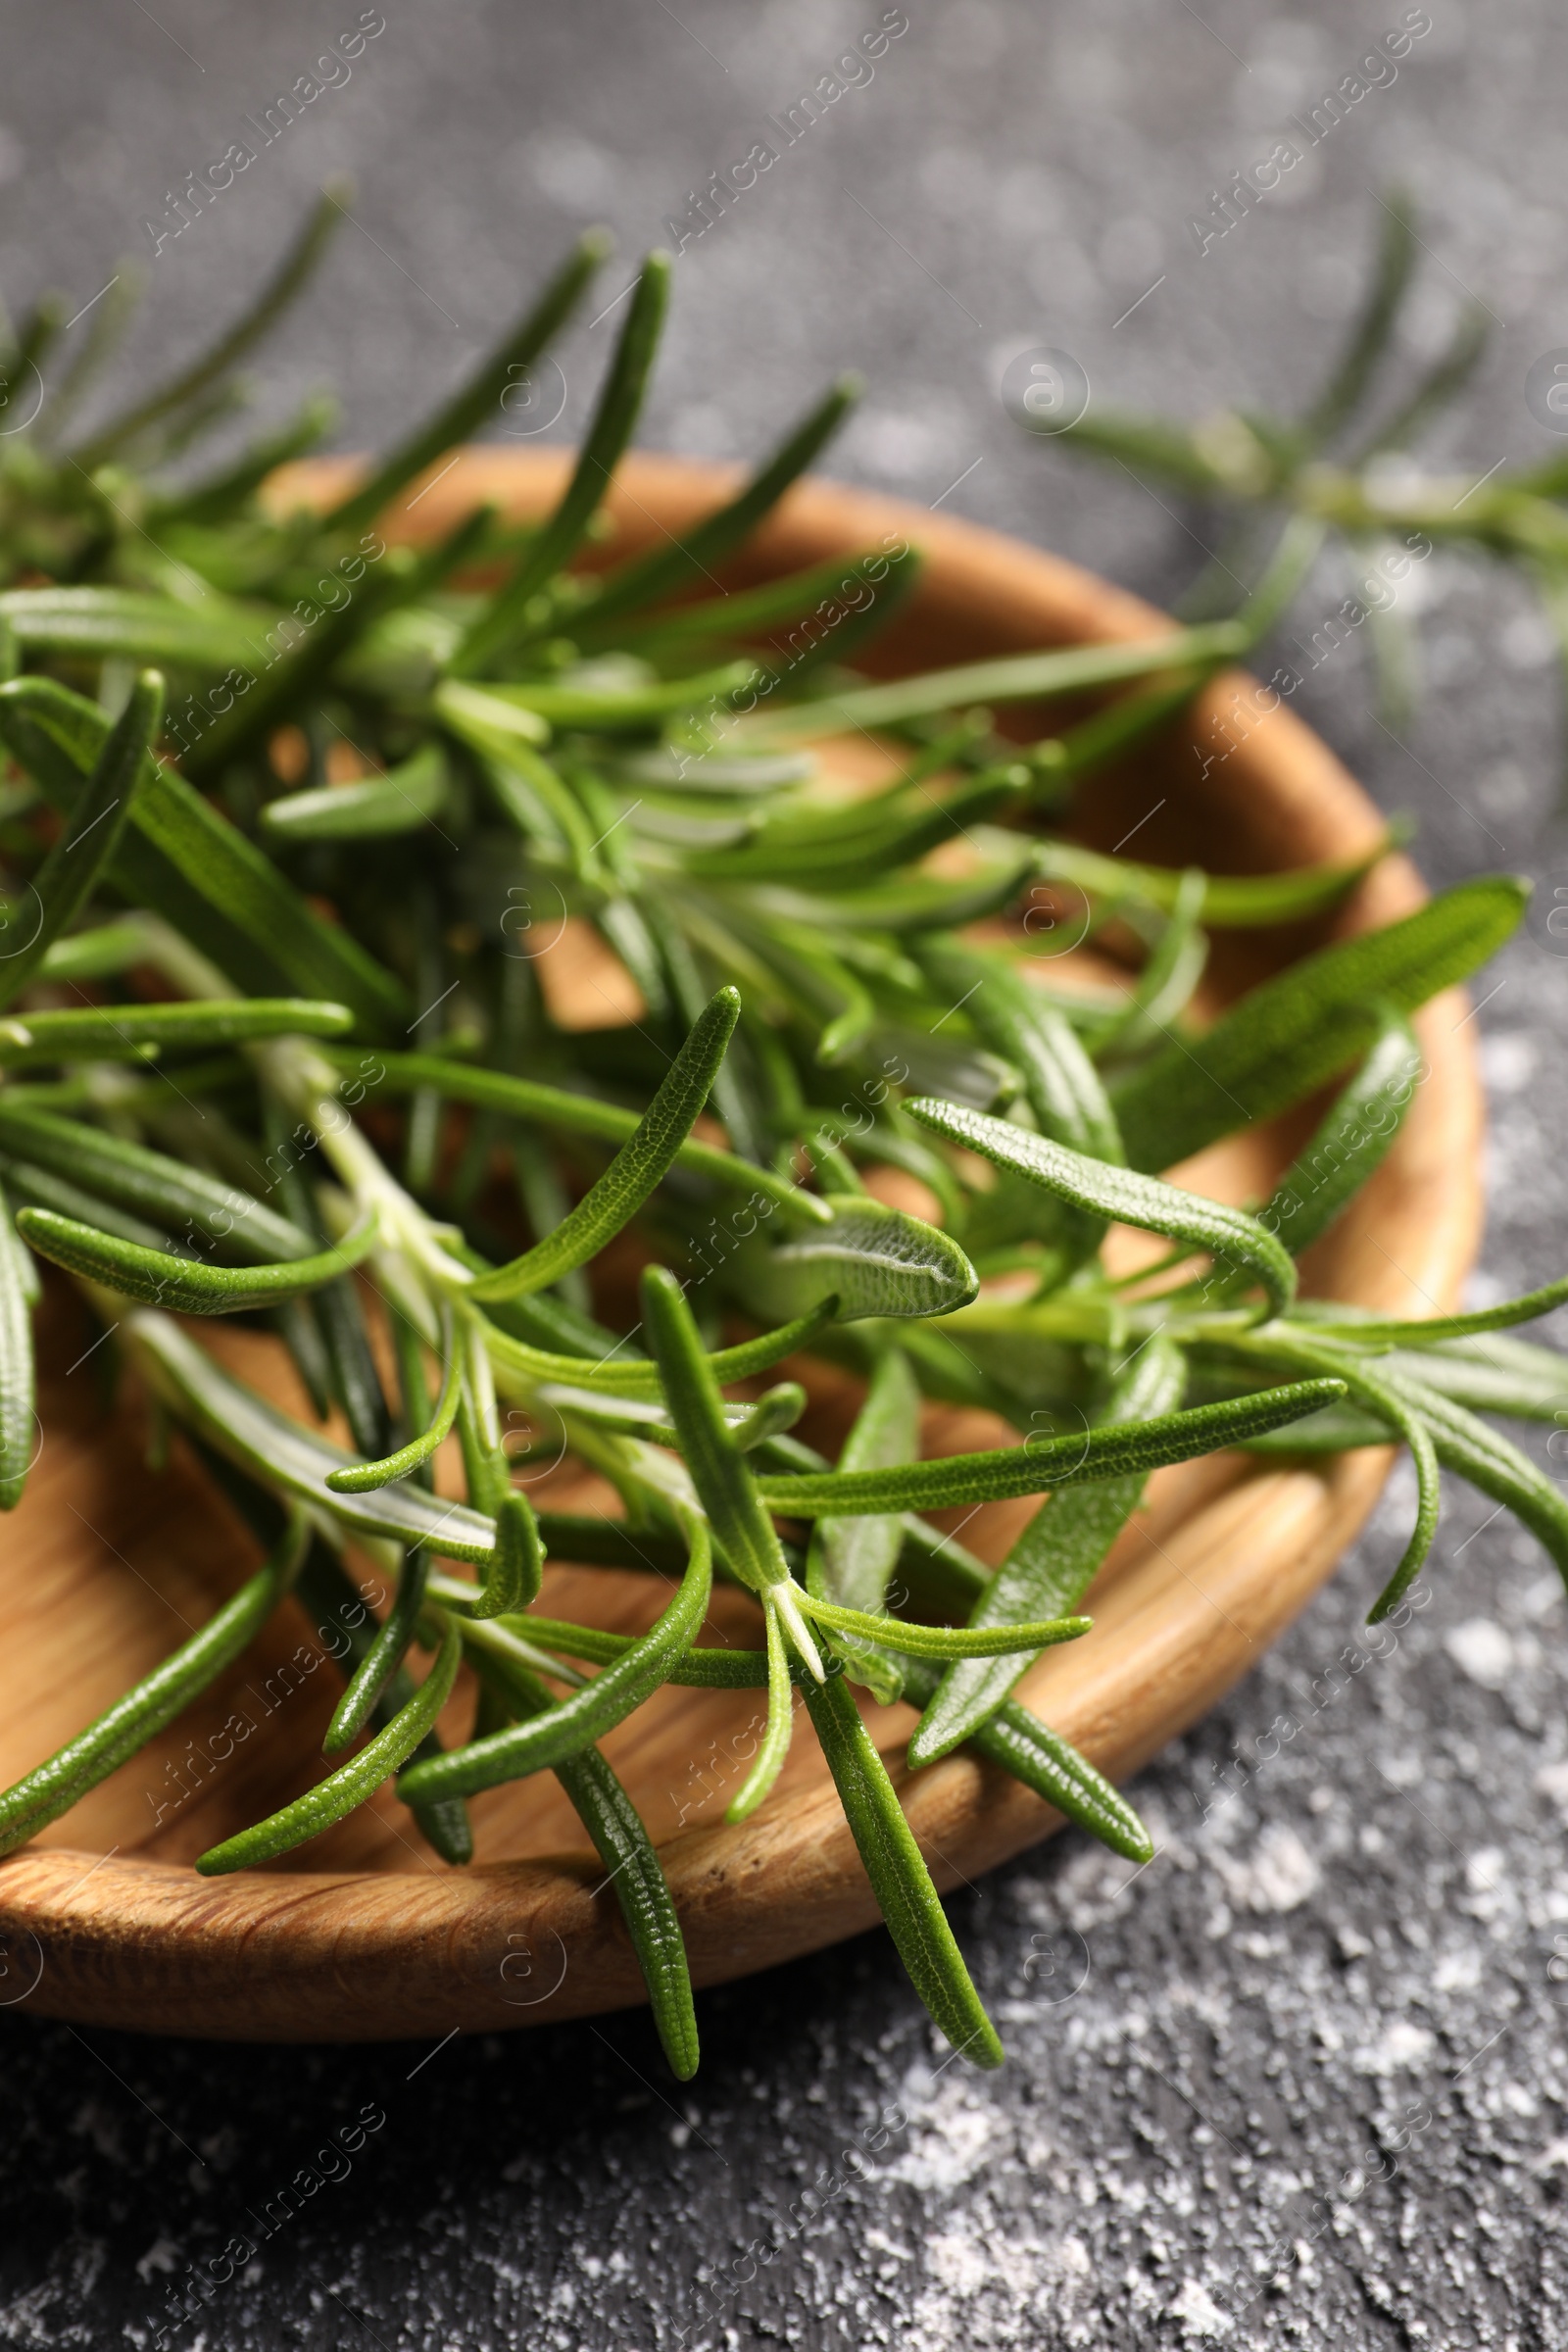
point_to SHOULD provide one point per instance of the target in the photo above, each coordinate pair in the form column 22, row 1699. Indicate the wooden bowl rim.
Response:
column 309, row 1955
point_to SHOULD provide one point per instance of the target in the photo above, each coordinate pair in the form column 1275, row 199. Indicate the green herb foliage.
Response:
column 275, row 1039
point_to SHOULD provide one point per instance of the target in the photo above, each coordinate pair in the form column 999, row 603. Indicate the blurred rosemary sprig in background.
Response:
column 1349, row 464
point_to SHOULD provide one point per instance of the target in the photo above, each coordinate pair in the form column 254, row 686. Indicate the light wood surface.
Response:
column 364, row 1933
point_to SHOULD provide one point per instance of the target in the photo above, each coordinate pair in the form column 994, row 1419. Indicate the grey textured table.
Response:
column 1301, row 2080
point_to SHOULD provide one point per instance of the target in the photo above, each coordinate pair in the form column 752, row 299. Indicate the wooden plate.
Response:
column 364, row 1933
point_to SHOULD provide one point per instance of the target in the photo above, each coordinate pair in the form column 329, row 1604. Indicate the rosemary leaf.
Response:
column 1225, row 902
column 872, row 1258
column 1374, row 1395
column 957, row 1479
column 623, row 1379
column 524, row 1098
column 71, row 870
column 947, row 1640
column 1063, row 1088
column 1290, row 1034
column 367, row 1475
column 283, row 288
column 53, row 1788
column 1054, row 1561
column 1489, row 1462
column 1352, row 1139
column 481, row 395
column 640, row 1164
column 18, row 1295
column 724, row 1484
column 1374, row 1331
column 138, row 1032
column 628, row 1858
column 773, row 1749
column 646, row 579
column 1491, row 1375
column 182, row 1199
column 572, row 1724
column 349, row 1786
column 409, row 796
column 276, row 1451
column 506, row 620
column 197, row 854
column 897, row 1870
column 157, row 1279
column 516, row 1564
column 383, row 1657
column 139, row 624
column 1016, row 678
column 1023, row 1746
column 851, row 1561
column 1228, row 1235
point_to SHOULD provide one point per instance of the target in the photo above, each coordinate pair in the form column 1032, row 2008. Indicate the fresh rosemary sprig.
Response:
column 320, row 779
column 1346, row 466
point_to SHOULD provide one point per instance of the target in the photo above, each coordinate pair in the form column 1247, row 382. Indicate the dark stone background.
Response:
column 1342, row 1965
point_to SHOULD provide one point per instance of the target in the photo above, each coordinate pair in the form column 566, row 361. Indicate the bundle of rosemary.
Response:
column 218, row 948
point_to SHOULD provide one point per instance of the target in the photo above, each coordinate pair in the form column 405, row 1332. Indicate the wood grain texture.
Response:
column 364, row 1933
